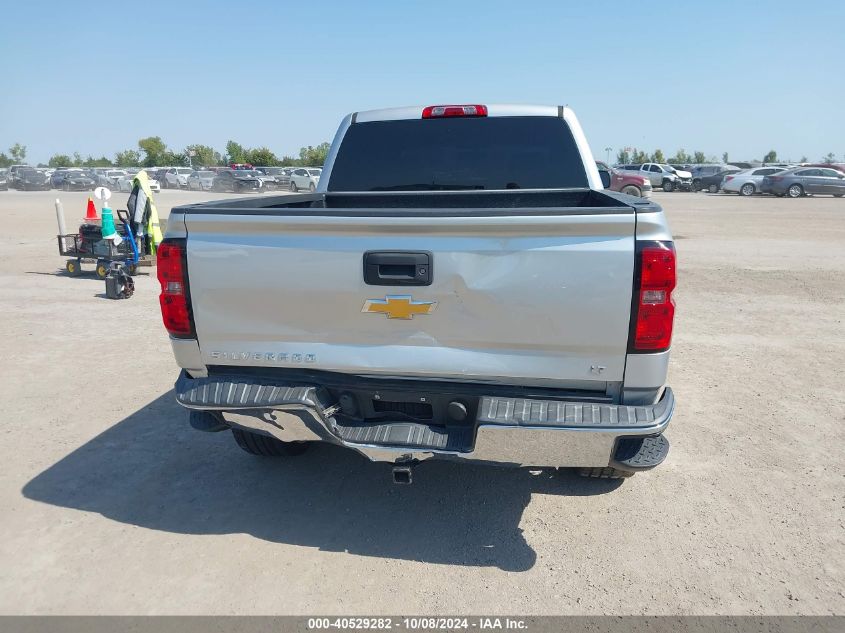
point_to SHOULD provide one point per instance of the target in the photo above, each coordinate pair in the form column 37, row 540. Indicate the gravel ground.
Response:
column 111, row 504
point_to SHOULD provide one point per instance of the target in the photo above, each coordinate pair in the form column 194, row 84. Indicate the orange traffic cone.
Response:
column 91, row 212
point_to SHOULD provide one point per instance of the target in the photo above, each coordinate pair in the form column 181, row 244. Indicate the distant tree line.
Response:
column 152, row 151
column 632, row 155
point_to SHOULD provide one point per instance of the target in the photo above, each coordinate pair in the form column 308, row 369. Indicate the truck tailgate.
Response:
column 541, row 298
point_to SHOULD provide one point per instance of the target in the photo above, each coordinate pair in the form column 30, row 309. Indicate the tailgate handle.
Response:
column 397, row 268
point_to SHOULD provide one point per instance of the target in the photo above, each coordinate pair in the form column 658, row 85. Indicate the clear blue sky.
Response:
column 742, row 77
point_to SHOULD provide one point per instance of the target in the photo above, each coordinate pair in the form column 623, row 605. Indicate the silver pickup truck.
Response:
column 460, row 286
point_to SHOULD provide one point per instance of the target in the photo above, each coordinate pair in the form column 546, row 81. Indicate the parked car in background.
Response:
column 201, row 180
column 806, row 181
column 305, row 178
column 176, row 177
column 266, row 182
column 699, row 171
column 823, row 165
column 747, row 182
column 684, row 177
column 157, row 173
column 281, row 174
column 30, row 179
column 235, row 180
column 58, row 176
column 4, row 179
column 110, row 177
column 77, row 180
column 126, row 183
column 624, row 182
column 154, row 183
column 660, row 175
column 14, row 173
column 711, row 182
column 98, row 173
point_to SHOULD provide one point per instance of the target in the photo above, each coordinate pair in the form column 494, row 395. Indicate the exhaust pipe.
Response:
column 402, row 475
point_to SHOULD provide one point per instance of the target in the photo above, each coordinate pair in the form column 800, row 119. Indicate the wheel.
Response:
column 605, row 473
column 696, row 185
column 65, row 186
column 713, row 189
column 293, row 186
column 72, row 267
column 236, row 188
column 668, row 186
column 747, row 189
column 266, row 446
column 102, row 269
column 311, row 187
column 795, row 191
column 838, row 195
column 631, row 190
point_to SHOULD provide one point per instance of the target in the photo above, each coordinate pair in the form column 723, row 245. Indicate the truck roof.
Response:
column 493, row 110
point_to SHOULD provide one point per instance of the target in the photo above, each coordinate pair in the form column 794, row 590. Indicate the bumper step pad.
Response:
column 640, row 453
column 410, row 434
column 522, row 412
column 234, row 392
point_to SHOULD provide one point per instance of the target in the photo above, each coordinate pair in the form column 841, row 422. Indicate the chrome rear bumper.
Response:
column 508, row 431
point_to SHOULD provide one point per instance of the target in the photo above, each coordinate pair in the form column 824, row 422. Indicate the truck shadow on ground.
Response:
column 152, row 470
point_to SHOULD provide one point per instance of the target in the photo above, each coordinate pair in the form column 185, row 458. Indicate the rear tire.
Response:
column 696, row 185
column 795, row 191
column 713, row 189
column 266, row 446
column 746, row 190
column 668, row 186
column 605, row 473
column 631, row 190
column 293, row 186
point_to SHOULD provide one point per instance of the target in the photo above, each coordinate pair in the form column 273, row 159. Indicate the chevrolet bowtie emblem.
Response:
column 399, row 306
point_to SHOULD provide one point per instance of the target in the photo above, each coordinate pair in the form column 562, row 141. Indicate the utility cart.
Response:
column 89, row 246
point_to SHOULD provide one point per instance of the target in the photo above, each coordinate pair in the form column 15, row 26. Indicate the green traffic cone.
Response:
column 108, row 224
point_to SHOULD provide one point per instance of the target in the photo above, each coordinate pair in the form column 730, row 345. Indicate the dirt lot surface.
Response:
column 111, row 504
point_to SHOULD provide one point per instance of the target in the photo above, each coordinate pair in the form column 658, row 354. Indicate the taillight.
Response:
column 174, row 298
column 441, row 111
column 727, row 178
column 653, row 311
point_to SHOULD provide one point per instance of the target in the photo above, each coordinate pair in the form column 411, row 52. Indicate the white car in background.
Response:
column 110, row 177
column 125, row 183
column 748, row 181
column 305, row 178
column 177, row 178
column 201, row 180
